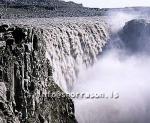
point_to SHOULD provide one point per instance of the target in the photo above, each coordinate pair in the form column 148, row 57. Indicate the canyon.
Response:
column 63, row 48
column 38, row 60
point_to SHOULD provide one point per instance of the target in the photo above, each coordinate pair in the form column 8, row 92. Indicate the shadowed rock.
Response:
column 26, row 83
column 136, row 35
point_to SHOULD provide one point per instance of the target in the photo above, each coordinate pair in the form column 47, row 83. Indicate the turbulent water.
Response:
column 120, row 76
column 71, row 47
column 42, row 57
column 71, row 43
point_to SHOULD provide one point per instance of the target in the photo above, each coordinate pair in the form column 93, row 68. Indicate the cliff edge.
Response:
column 38, row 62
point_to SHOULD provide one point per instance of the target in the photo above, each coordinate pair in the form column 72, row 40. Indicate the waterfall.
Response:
column 120, row 77
column 83, row 56
column 71, row 44
column 43, row 57
column 71, row 47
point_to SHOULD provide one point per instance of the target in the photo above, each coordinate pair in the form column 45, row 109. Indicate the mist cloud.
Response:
column 127, row 74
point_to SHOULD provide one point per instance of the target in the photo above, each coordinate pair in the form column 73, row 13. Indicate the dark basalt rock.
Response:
column 3, row 28
column 26, row 82
column 136, row 35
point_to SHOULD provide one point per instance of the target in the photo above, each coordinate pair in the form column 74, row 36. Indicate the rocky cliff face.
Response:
column 37, row 62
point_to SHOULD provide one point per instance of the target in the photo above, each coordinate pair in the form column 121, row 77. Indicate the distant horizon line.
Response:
column 119, row 7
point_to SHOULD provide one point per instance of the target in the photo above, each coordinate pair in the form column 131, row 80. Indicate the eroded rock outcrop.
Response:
column 26, row 82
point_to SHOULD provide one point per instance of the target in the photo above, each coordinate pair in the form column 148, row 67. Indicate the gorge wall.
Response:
column 42, row 57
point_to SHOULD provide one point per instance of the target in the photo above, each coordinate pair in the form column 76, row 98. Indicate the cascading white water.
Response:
column 116, row 72
column 75, row 42
column 73, row 45
column 70, row 43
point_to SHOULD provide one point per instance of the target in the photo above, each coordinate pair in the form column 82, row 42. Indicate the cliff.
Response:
column 26, row 80
column 39, row 60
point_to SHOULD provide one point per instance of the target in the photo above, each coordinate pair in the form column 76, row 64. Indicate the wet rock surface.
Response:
column 26, row 82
